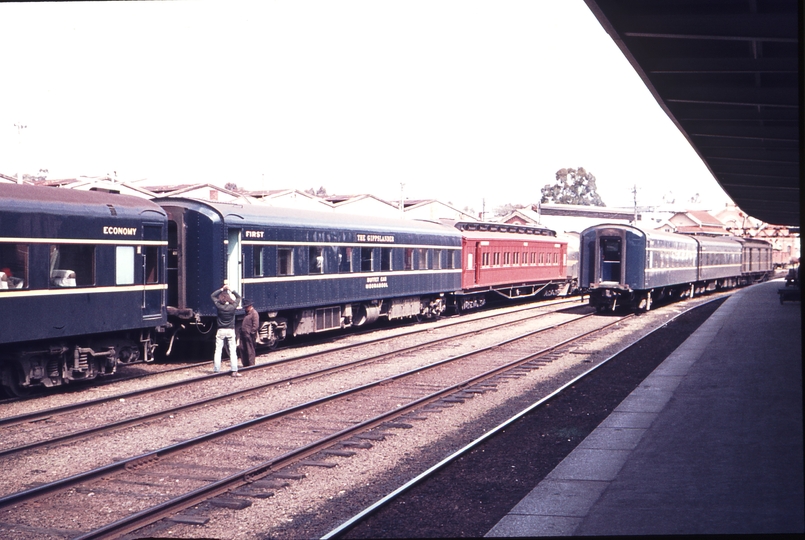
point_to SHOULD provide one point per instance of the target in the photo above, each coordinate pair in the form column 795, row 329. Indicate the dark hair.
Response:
column 225, row 298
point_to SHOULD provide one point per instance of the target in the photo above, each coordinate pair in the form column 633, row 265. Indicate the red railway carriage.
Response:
column 512, row 261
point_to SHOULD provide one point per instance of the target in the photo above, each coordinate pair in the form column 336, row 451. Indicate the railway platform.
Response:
column 710, row 443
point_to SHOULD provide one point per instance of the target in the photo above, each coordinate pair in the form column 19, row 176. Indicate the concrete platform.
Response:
column 710, row 443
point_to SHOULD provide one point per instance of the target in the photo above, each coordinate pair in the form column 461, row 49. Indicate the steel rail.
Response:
column 169, row 507
column 38, row 415
column 357, row 518
column 265, row 468
column 64, row 483
column 246, row 391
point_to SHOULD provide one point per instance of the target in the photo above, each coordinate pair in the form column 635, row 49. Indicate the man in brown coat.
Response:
column 248, row 333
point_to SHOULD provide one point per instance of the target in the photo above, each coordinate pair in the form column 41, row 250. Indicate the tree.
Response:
column 231, row 186
column 573, row 186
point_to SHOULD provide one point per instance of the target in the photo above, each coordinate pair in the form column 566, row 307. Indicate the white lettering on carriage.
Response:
column 380, row 282
column 127, row 231
column 255, row 234
column 376, row 238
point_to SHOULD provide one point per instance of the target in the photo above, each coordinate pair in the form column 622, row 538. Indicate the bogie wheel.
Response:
column 271, row 344
column 10, row 382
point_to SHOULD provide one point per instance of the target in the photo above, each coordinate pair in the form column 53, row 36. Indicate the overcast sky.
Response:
column 463, row 101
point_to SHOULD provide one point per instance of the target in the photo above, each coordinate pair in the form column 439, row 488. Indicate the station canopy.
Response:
column 727, row 74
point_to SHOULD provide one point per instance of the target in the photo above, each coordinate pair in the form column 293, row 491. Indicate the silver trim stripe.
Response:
column 62, row 291
column 120, row 242
column 733, row 265
column 672, row 269
column 317, row 277
column 344, row 244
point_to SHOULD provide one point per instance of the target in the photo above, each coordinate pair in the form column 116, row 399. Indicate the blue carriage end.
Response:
column 82, row 283
column 623, row 264
column 308, row 271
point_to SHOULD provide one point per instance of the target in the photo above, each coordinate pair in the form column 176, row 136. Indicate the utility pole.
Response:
column 402, row 199
column 19, row 127
column 634, row 194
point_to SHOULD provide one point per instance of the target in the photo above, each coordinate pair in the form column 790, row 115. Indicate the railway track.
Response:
column 444, row 500
column 164, row 463
column 76, row 395
column 86, row 405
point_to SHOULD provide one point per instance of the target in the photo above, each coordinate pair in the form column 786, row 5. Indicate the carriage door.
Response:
column 234, row 260
column 478, row 261
column 173, row 265
column 153, row 292
column 611, row 250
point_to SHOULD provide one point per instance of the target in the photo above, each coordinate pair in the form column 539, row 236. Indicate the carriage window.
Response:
column 437, row 259
column 450, row 261
column 284, row 261
column 533, row 257
column 151, row 264
column 366, row 259
column 72, row 265
column 507, row 258
column 385, row 259
column 541, row 258
column 409, row 258
column 496, row 258
column 257, row 259
column 13, row 266
column 422, row 255
column 345, row 260
column 485, row 259
column 315, row 260
column 516, row 258
column 124, row 265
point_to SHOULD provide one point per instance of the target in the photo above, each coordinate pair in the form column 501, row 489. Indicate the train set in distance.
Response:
column 90, row 281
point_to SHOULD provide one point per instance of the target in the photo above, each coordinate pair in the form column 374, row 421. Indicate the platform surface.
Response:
column 710, row 443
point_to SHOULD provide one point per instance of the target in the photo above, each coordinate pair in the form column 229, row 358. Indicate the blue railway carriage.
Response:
column 306, row 272
column 82, row 284
column 627, row 266
column 624, row 265
column 719, row 263
column 757, row 260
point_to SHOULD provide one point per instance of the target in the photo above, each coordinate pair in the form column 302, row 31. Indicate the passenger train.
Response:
column 309, row 272
column 90, row 281
column 622, row 265
column 82, row 284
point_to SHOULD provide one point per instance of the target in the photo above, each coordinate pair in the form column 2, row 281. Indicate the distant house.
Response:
column 5, row 179
column 433, row 210
column 569, row 217
column 665, row 226
column 363, row 205
column 737, row 222
column 103, row 184
column 698, row 222
column 522, row 216
column 205, row 192
column 291, row 198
